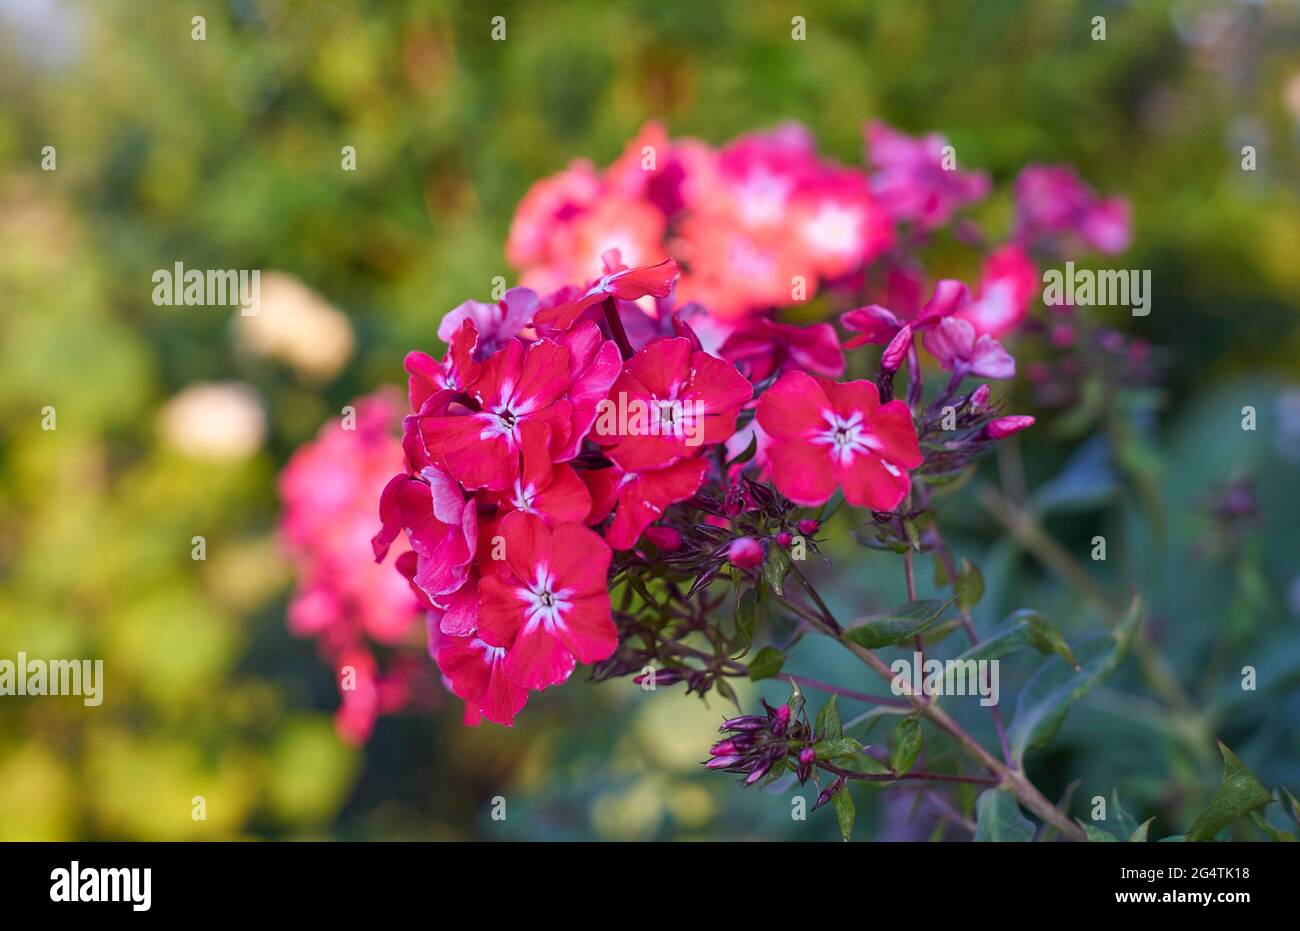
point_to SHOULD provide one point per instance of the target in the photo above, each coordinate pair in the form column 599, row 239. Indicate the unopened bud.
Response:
column 666, row 539
column 785, row 538
column 745, row 553
column 748, row 722
column 1005, row 426
column 892, row 358
column 809, row 527
column 825, row 795
column 722, row 762
column 979, row 399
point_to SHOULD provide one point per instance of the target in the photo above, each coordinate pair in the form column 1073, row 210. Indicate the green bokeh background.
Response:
column 225, row 153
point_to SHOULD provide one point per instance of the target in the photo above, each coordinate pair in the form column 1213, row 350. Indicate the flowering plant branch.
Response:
column 626, row 461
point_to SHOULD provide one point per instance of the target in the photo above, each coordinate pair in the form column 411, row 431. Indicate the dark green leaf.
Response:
column 1022, row 629
column 844, row 812
column 1239, row 794
column 827, row 723
column 746, row 620
column 834, row 747
column 1295, row 806
column 1274, row 834
column 1053, row 688
column 998, row 818
column 903, row 622
column 766, row 663
column 907, row 745
column 776, row 568
column 970, row 585
column 1096, row 834
column 723, row 688
column 1139, row 835
column 940, row 573
column 1121, row 823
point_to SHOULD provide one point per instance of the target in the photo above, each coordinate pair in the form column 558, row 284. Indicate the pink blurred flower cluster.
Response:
column 354, row 609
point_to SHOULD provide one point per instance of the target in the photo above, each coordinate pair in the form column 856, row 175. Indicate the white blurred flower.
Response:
column 214, row 420
column 298, row 327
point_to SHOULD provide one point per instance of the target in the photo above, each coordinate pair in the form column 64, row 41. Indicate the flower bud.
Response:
column 809, row 527
column 807, row 755
column 825, row 795
column 724, row 748
column 979, row 399
column 781, row 720
column 892, row 358
column 759, row 772
column 1005, row 426
column 747, row 722
column 666, row 539
column 745, row 553
column 785, row 538
column 659, row 677
column 722, row 762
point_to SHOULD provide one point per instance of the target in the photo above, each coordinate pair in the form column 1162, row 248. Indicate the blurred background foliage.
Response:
column 225, row 153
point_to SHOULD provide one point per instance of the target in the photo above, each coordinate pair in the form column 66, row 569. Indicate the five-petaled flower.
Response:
column 827, row 434
column 548, row 603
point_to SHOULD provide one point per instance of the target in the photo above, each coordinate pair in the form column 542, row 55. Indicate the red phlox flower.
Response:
column 838, row 222
column 826, row 434
column 686, row 399
column 621, row 283
column 519, row 392
column 475, row 672
column 760, row 346
column 1007, row 286
column 550, row 606
column 640, row 497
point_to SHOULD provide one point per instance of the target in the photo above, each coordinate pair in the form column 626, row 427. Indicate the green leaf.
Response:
column 1139, row 835
column 834, row 747
column 1239, row 794
column 907, row 745
column 827, row 723
column 1295, row 805
column 1053, row 688
column 723, row 688
column 1121, row 823
column 904, row 621
column 940, row 573
column 766, row 663
column 863, row 763
column 970, row 585
column 776, row 568
column 844, row 812
column 998, row 818
column 1274, row 834
column 746, row 620
column 1096, row 834
column 1022, row 629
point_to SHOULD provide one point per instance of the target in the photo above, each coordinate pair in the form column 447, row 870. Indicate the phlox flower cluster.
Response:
column 663, row 284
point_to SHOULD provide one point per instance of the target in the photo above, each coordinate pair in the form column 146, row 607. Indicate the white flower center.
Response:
column 846, row 436
column 545, row 604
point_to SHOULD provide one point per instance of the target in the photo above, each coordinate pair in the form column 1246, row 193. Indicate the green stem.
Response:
column 1010, row 779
